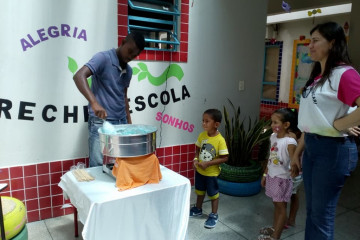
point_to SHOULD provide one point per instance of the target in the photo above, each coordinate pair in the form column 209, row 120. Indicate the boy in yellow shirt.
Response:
column 211, row 151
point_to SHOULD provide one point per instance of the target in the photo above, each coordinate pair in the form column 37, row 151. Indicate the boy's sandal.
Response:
column 266, row 237
column 267, row 230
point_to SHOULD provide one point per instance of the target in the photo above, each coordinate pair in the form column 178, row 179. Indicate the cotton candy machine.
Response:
column 125, row 140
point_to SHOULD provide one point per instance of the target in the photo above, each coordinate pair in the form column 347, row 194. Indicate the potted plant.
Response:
column 241, row 139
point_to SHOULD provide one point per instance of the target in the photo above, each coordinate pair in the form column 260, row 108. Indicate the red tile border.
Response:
column 20, row 194
column 45, row 213
column 168, row 161
column 29, row 170
column 57, row 212
column 160, row 152
column 55, row 177
column 183, row 158
column 43, row 168
column 32, row 204
column 16, row 184
column 66, row 165
column 57, row 200
column 69, row 211
column 33, row 216
column 123, row 20
column 55, row 166
column 122, row 10
column 4, row 173
column 31, row 193
column 44, row 202
column 55, row 189
column 43, row 180
column 16, row 172
column 168, row 151
column 30, row 182
column 44, row 191
column 176, row 149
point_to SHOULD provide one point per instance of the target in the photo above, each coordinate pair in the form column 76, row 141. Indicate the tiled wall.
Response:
column 37, row 185
column 180, row 56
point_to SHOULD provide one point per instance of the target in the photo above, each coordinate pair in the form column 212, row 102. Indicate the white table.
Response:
column 153, row 211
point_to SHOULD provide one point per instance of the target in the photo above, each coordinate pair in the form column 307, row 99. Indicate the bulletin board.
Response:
column 300, row 70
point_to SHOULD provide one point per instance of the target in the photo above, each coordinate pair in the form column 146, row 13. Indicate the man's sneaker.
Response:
column 211, row 221
column 194, row 211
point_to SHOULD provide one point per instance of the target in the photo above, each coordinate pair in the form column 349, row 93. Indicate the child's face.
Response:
column 277, row 125
column 208, row 123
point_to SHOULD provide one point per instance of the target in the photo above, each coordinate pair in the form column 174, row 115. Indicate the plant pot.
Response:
column 241, row 174
column 239, row 189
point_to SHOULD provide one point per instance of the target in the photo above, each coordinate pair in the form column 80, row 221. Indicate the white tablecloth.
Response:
column 153, row 211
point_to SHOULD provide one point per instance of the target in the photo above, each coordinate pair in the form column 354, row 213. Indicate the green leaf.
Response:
column 142, row 76
column 143, row 67
column 72, row 65
column 241, row 137
column 135, row 70
column 89, row 80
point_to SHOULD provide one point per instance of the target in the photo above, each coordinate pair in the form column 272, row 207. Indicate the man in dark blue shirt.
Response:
column 111, row 75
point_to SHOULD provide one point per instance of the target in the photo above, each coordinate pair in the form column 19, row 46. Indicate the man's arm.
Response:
column 127, row 107
column 80, row 79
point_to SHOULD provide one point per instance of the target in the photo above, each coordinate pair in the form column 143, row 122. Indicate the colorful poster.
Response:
column 42, row 114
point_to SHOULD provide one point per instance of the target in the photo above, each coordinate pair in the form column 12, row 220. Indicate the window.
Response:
column 157, row 20
column 272, row 71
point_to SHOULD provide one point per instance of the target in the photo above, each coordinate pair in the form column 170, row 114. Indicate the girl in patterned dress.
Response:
column 277, row 179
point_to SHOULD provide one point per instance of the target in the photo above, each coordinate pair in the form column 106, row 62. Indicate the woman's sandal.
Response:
column 266, row 237
column 267, row 230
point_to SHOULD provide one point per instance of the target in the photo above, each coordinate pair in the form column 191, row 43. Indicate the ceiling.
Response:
column 274, row 6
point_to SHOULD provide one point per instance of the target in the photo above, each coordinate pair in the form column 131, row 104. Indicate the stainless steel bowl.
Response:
column 128, row 143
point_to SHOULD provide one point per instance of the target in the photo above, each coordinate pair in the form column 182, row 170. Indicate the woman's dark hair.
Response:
column 289, row 115
column 214, row 114
column 338, row 54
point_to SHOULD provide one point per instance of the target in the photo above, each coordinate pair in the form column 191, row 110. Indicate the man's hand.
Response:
column 99, row 110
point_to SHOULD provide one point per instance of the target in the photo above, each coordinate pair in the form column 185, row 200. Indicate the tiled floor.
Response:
column 239, row 218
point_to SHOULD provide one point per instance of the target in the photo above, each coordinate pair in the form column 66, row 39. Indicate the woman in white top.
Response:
column 327, row 111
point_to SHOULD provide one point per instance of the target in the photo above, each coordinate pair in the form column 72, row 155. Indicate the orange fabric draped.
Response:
column 136, row 171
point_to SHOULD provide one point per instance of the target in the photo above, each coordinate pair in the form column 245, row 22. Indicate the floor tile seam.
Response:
column 348, row 211
column 239, row 234
column 47, row 228
column 293, row 234
column 219, row 220
column 348, row 208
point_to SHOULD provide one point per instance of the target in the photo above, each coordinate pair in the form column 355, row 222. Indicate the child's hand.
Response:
column 196, row 164
column 263, row 181
column 203, row 165
column 294, row 172
column 295, row 167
